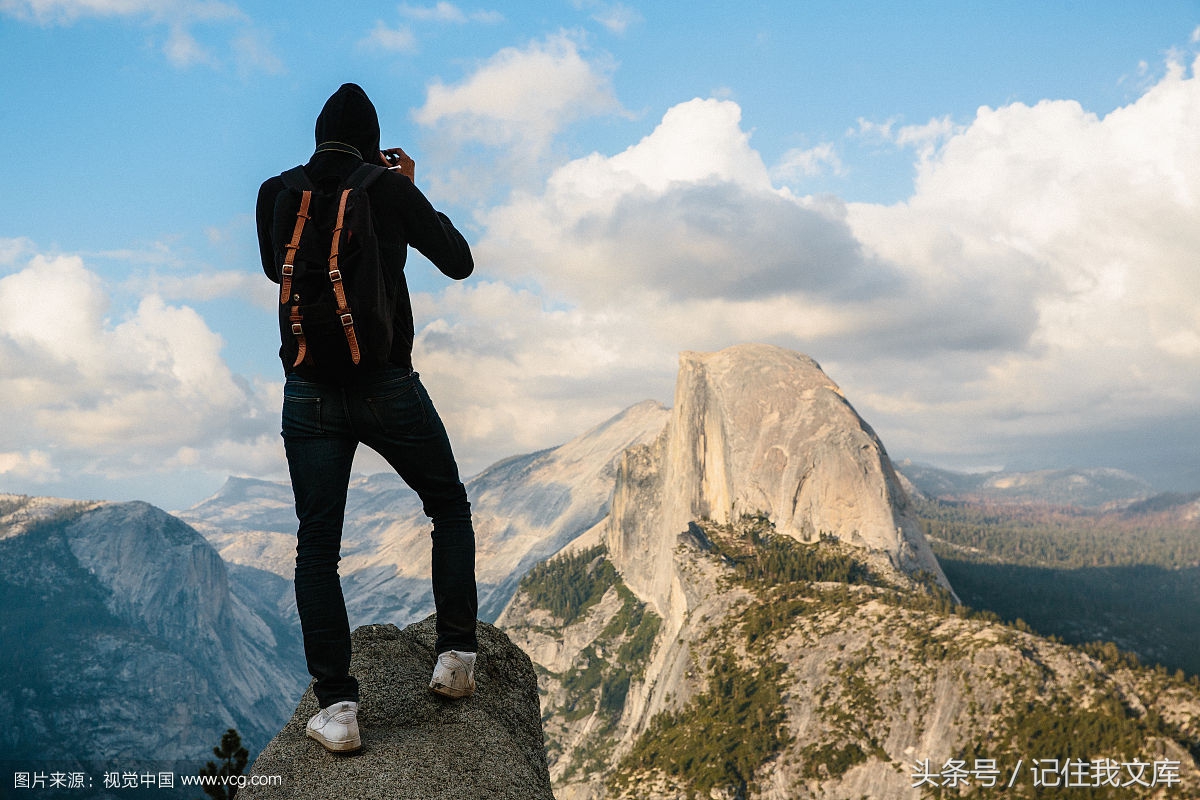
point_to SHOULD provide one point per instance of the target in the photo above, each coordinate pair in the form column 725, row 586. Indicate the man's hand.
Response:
column 397, row 160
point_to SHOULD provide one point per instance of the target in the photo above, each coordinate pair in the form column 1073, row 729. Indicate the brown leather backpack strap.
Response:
column 289, row 255
column 335, row 278
column 298, row 331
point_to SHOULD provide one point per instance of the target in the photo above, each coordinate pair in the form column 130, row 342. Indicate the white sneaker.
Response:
column 454, row 674
column 336, row 727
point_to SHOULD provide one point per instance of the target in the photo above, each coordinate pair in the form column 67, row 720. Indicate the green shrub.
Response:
column 723, row 736
column 569, row 584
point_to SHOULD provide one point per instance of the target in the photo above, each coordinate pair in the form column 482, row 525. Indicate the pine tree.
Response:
column 233, row 764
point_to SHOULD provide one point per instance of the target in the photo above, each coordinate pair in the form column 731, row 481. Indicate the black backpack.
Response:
column 335, row 300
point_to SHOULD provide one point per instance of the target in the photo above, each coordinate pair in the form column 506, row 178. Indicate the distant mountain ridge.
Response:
column 524, row 508
column 1084, row 488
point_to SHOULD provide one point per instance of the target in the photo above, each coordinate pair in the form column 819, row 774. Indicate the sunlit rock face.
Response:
column 758, row 429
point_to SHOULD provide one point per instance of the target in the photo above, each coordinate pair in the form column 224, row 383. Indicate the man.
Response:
column 327, row 412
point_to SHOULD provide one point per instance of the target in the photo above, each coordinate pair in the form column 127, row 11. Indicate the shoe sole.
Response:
column 450, row 691
column 343, row 748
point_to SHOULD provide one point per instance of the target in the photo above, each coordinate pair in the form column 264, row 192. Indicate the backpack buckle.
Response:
column 335, row 275
column 296, row 329
column 288, row 269
column 347, row 320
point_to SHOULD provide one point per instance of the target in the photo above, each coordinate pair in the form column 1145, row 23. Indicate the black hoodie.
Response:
column 347, row 133
column 349, row 117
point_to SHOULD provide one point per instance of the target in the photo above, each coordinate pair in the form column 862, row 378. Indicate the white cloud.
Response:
column 519, row 99
column 13, row 249
column 616, row 17
column 33, row 465
column 869, row 129
column 1103, row 211
column 1038, row 287
column 66, row 12
column 398, row 40
column 63, row 12
column 444, row 12
column 924, row 138
column 209, row 285
column 798, row 164
column 689, row 211
column 177, row 18
column 183, row 50
column 111, row 396
column 402, row 38
column 255, row 53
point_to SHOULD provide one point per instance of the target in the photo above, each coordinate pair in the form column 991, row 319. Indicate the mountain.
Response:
column 802, row 673
column 124, row 637
column 760, row 615
column 524, row 509
column 742, row 602
column 758, row 430
column 1083, row 488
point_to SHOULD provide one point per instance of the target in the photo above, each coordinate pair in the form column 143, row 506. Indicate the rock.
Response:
column 123, row 636
column 758, row 429
column 417, row 745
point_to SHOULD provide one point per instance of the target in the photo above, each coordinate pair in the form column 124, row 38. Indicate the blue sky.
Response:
column 979, row 217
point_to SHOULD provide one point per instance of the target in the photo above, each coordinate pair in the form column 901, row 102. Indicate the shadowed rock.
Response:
column 416, row 744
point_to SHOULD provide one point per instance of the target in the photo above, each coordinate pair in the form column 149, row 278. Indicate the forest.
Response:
column 1128, row 576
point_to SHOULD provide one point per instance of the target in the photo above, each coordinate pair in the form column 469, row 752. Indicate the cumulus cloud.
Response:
column 1038, row 286
column 520, row 99
column 678, row 242
column 1101, row 211
column 689, row 214
column 116, row 397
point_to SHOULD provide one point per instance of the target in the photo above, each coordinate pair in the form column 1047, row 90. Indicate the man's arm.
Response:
column 427, row 229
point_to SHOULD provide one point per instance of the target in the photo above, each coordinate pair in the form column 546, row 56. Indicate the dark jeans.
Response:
column 322, row 425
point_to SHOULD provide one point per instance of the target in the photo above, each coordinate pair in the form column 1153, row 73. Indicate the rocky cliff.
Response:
column 757, row 429
column 803, row 673
column 760, row 616
column 416, row 744
column 124, row 638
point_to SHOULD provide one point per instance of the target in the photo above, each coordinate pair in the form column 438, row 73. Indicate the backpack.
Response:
column 335, row 300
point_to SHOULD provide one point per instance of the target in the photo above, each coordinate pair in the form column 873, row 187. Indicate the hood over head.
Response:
column 349, row 117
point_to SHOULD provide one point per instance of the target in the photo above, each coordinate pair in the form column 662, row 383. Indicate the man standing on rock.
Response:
column 333, row 399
